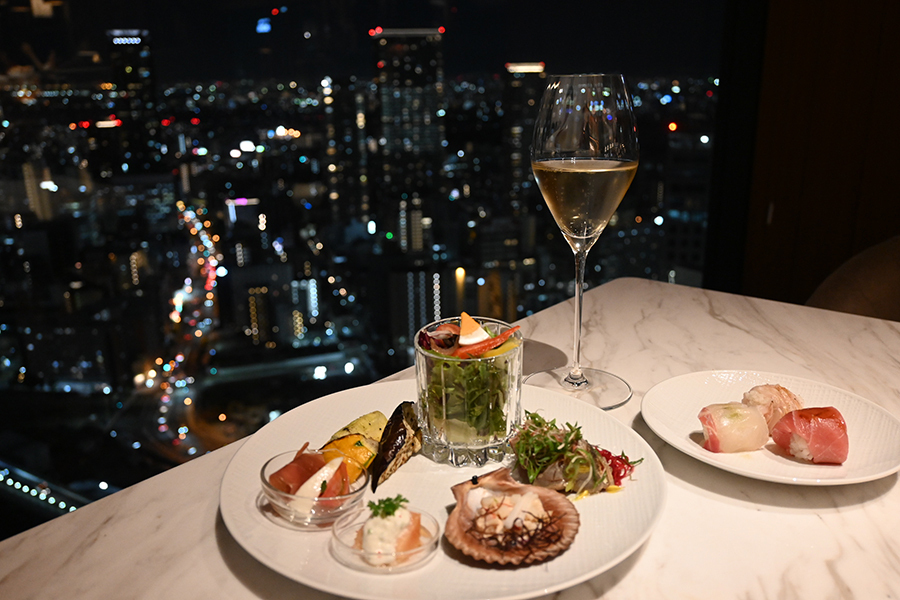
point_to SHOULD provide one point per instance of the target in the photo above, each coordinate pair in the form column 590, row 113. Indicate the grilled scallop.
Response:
column 499, row 520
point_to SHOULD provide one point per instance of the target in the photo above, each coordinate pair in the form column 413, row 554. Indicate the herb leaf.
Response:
column 577, row 465
column 386, row 507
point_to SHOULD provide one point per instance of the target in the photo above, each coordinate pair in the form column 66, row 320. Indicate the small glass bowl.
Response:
column 343, row 540
column 304, row 512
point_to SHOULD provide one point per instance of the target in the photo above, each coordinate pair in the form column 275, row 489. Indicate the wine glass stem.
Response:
column 575, row 375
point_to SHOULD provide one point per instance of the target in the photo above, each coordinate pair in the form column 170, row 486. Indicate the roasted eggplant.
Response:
column 400, row 440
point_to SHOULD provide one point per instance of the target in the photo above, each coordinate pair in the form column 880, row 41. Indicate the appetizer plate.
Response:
column 670, row 409
column 613, row 525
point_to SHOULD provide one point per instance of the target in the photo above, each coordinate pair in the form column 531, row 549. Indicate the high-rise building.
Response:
column 524, row 85
column 408, row 166
column 133, row 123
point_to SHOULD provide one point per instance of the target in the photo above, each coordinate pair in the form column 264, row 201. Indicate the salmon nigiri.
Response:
column 816, row 434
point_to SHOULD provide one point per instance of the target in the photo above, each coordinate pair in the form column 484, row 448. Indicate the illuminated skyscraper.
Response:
column 134, row 105
column 411, row 142
column 523, row 87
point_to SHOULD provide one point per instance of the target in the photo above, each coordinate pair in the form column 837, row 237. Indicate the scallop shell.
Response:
column 565, row 515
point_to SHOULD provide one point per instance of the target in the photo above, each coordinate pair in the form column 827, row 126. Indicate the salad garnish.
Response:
column 467, row 399
column 386, row 507
column 560, row 457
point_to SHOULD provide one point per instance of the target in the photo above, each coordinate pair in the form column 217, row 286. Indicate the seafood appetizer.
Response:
column 733, row 427
column 814, row 434
column 773, row 401
column 469, row 377
column 467, row 340
column 499, row 520
column 561, row 459
column 401, row 438
column 390, row 532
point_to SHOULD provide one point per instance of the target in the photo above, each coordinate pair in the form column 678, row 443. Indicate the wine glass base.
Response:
column 600, row 388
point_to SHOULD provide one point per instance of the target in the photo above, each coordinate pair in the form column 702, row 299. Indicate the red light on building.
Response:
column 709, row 93
column 380, row 64
column 84, row 124
column 275, row 11
column 673, row 126
column 166, row 122
column 195, row 121
column 441, row 30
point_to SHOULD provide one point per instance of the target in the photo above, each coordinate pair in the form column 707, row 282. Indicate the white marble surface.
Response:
column 721, row 536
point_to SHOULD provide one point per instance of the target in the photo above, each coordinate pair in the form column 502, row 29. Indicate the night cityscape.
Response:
column 183, row 257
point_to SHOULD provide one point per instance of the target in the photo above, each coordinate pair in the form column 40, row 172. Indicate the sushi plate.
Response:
column 612, row 525
column 670, row 409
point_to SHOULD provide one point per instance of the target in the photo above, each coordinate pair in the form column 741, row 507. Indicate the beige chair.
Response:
column 868, row 284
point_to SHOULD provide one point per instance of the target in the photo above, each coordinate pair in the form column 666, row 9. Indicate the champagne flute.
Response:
column 584, row 157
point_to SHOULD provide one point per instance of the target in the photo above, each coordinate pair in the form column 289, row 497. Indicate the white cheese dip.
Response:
column 380, row 536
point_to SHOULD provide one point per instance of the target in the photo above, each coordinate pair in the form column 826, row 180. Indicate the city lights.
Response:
column 240, row 242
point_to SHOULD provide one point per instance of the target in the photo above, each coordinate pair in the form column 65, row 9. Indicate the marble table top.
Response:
column 721, row 535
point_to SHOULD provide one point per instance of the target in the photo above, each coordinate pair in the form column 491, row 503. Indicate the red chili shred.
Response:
column 620, row 466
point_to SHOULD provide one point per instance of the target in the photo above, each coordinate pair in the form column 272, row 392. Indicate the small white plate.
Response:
column 612, row 525
column 670, row 409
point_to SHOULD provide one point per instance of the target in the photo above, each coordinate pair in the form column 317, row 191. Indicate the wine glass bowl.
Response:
column 584, row 158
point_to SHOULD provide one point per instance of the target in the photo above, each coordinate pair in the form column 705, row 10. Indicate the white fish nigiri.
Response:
column 773, row 401
column 733, row 427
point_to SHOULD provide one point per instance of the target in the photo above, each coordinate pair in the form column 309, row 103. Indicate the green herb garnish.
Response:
column 386, row 507
column 467, row 399
column 540, row 443
column 581, row 466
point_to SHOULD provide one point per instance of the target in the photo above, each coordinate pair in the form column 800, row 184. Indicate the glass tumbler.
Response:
column 468, row 407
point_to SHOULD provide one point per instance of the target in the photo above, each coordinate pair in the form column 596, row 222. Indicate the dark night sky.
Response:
column 216, row 39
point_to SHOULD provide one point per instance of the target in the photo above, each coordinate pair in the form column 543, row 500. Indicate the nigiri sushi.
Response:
column 816, row 434
column 733, row 427
column 773, row 401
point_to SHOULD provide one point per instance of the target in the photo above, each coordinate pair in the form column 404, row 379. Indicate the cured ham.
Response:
column 773, row 401
column 733, row 427
column 815, row 434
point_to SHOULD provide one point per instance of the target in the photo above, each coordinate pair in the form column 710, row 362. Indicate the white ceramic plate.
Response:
column 670, row 409
column 612, row 525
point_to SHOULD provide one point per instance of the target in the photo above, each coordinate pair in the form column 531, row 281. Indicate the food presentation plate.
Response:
column 613, row 525
column 670, row 409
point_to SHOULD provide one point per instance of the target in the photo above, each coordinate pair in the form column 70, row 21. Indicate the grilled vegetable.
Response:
column 401, row 439
column 358, row 447
column 370, row 425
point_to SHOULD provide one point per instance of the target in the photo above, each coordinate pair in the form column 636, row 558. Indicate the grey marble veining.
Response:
column 721, row 536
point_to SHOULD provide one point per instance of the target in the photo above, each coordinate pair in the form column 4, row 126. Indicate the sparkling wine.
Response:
column 583, row 194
